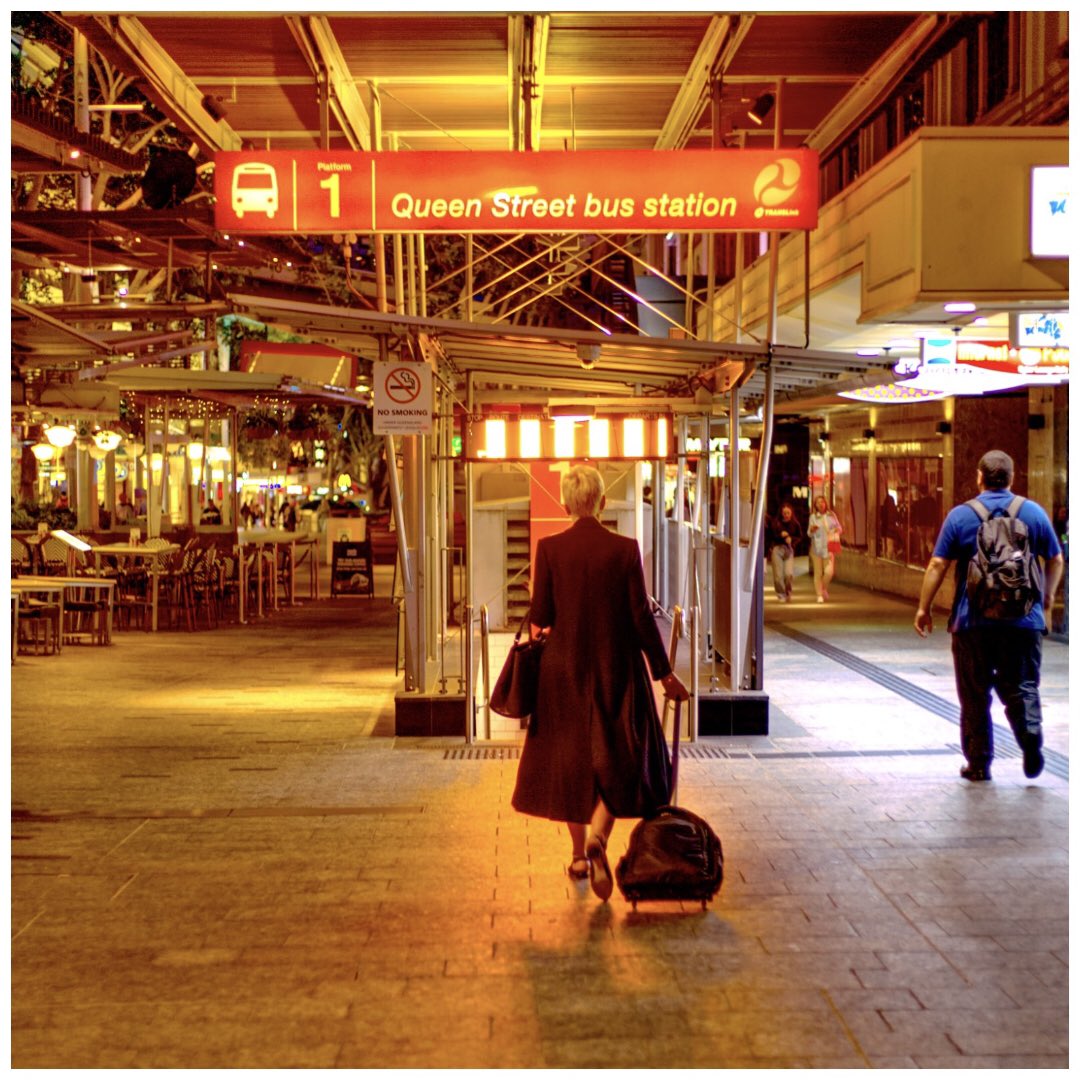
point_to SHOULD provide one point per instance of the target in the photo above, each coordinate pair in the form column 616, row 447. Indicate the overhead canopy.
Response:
column 236, row 389
column 553, row 359
column 444, row 81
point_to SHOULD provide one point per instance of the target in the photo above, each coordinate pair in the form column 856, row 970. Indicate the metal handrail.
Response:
column 485, row 664
column 673, row 651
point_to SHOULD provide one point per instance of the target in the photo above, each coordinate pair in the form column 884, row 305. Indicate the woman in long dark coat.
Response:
column 586, row 751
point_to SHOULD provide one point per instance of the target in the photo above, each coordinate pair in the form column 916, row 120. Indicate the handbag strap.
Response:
column 524, row 623
column 675, row 753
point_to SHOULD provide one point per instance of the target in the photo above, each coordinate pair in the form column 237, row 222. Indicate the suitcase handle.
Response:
column 675, row 753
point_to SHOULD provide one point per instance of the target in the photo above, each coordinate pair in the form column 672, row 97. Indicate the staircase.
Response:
column 517, row 570
column 620, row 267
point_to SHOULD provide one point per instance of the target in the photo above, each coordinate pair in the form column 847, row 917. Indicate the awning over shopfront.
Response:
column 239, row 389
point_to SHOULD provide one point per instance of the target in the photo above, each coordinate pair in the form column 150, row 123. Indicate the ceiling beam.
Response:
column 538, row 30
column 515, row 66
column 324, row 56
column 163, row 80
column 869, row 90
column 718, row 47
column 471, row 81
column 37, row 314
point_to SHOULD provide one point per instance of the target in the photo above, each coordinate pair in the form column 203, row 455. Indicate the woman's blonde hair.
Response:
column 583, row 491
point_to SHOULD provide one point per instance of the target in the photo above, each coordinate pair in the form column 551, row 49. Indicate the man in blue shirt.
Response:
column 994, row 654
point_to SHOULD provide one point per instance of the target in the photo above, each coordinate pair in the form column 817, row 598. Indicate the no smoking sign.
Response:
column 404, row 399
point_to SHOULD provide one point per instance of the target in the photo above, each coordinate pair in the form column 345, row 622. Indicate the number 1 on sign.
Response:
column 333, row 185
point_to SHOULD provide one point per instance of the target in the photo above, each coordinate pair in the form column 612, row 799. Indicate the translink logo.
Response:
column 775, row 185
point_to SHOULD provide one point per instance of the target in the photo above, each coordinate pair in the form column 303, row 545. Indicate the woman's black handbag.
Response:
column 514, row 694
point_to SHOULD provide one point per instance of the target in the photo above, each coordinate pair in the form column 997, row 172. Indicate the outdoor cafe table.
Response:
column 26, row 586
column 52, row 583
column 142, row 553
column 261, row 538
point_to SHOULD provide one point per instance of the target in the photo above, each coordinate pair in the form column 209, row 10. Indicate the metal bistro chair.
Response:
column 21, row 560
column 203, row 586
column 86, row 614
column 174, row 591
column 55, row 557
column 42, row 619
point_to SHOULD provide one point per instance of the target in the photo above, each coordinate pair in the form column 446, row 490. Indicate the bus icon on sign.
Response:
column 254, row 189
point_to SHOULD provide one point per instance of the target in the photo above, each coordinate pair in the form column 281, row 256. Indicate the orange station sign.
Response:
column 327, row 191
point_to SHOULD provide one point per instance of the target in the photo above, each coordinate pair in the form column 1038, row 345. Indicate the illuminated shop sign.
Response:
column 1028, row 361
column 938, row 351
column 567, row 438
column 1042, row 329
column 323, row 191
column 1049, row 211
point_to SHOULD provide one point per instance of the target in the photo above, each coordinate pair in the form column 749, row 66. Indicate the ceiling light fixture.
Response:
column 107, row 440
column 761, row 108
column 60, row 435
column 960, row 307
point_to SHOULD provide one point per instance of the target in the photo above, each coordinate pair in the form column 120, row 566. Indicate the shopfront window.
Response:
column 849, row 477
column 909, row 515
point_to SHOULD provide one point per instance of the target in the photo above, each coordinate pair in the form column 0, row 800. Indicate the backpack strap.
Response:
column 980, row 510
column 1014, row 507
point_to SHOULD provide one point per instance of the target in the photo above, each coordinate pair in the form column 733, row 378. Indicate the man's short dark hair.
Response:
column 997, row 469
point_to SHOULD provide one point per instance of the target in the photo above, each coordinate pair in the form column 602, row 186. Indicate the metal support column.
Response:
column 705, row 545
column 679, row 515
column 407, row 577
column 467, row 614
column 659, row 530
column 84, row 184
column 760, row 490
column 738, row 645
column 153, row 513
column 415, row 636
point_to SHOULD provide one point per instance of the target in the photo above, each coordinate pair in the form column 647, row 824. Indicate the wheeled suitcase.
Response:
column 674, row 854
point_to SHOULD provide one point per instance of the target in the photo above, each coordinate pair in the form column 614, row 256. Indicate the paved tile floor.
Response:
column 222, row 858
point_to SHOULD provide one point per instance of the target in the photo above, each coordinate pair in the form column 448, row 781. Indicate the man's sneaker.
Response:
column 1033, row 761
column 975, row 773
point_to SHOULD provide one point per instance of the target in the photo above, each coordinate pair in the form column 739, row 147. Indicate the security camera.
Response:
column 589, row 355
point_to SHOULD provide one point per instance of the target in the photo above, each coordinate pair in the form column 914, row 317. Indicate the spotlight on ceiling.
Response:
column 761, row 108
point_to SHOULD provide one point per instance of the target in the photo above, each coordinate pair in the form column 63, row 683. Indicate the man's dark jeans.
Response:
column 1007, row 660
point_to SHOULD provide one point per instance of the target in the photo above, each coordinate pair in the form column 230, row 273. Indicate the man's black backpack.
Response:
column 1004, row 578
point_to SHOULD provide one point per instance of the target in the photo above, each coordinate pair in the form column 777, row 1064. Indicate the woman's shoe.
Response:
column 599, row 870
column 578, row 869
column 821, row 599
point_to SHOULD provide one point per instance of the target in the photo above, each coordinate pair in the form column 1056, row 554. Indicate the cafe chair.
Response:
column 132, row 598
column 203, row 586
column 86, row 615
column 21, row 561
column 54, row 557
column 41, row 620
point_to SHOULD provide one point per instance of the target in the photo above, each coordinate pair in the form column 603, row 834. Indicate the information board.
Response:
column 550, row 191
column 351, row 572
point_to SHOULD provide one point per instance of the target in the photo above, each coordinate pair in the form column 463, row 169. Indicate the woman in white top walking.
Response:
column 824, row 530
